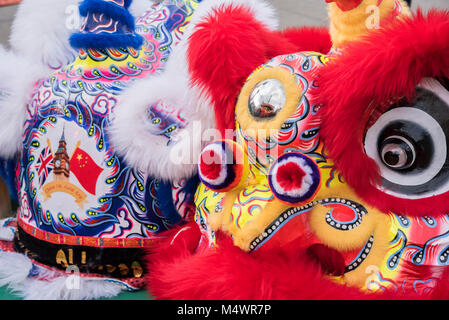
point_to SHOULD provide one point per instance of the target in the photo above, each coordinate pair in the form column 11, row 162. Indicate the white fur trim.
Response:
column 17, row 78
column 14, row 268
column 128, row 130
column 41, row 31
column 69, row 288
column 15, row 272
column 7, row 233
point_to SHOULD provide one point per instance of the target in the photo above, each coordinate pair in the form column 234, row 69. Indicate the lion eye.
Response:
column 267, row 99
column 410, row 143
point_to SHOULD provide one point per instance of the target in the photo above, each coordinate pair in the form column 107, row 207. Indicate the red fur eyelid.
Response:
column 387, row 63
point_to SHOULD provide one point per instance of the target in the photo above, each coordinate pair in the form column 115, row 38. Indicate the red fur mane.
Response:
column 176, row 272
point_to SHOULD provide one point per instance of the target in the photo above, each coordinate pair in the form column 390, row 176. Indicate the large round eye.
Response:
column 267, row 99
column 410, row 143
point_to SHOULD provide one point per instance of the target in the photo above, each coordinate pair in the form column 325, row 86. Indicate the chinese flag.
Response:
column 85, row 169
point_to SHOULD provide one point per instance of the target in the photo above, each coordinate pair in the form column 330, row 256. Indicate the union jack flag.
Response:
column 44, row 165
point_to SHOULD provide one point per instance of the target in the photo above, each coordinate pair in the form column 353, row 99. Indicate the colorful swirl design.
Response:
column 80, row 97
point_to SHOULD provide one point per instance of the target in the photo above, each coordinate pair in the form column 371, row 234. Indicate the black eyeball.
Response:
column 398, row 153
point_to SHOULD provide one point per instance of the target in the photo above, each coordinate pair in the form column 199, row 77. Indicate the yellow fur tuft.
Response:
column 347, row 26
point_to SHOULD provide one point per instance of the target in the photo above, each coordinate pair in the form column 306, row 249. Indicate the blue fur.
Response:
column 110, row 9
column 105, row 41
column 166, row 203
column 128, row 3
column 191, row 187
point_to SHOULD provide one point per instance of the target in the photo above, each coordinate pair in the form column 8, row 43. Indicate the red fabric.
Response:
column 85, row 169
column 229, row 45
column 441, row 291
column 385, row 65
column 210, row 165
column 344, row 214
column 346, row 5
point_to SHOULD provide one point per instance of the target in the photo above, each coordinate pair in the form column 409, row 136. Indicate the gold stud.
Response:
column 124, row 270
column 110, row 268
column 137, row 269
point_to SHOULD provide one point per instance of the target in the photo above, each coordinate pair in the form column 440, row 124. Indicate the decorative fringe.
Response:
column 34, row 282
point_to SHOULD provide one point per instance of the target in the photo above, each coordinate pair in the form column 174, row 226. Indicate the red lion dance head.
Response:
column 336, row 185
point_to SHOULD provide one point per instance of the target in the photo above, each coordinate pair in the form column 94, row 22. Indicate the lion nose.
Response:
column 294, row 178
